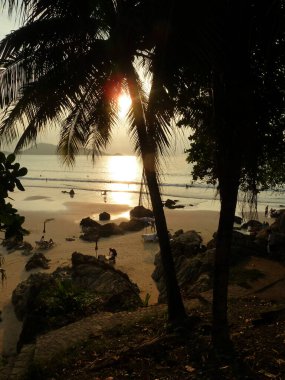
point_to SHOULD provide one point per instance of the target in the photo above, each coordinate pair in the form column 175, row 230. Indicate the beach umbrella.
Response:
column 47, row 220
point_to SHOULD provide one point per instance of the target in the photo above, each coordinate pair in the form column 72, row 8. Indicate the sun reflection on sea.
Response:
column 124, row 171
column 123, row 168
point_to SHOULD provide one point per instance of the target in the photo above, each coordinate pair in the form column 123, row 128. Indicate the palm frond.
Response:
column 89, row 123
column 72, row 137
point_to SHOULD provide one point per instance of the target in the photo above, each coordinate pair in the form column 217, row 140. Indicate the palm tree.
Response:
column 67, row 64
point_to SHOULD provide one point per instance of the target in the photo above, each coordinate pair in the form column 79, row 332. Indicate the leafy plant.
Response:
column 10, row 221
column 65, row 299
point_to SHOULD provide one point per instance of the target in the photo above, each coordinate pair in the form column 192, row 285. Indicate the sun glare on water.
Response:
column 124, row 170
column 124, row 103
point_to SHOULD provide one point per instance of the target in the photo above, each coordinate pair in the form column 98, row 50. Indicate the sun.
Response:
column 124, row 103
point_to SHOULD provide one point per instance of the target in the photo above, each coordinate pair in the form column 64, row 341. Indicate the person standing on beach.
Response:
column 113, row 253
column 266, row 211
column 96, row 244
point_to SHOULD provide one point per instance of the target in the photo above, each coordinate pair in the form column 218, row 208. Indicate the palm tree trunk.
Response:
column 176, row 310
column 229, row 185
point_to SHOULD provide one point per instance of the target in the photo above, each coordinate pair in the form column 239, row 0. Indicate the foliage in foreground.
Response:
column 10, row 221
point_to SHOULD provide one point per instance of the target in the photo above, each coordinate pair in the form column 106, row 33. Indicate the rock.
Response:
column 277, row 246
column 49, row 301
column 276, row 213
column 140, row 212
column 194, row 273
column 105, row 230
column 190, row 263
column 211, row 243
column 262, row 234
column 276, row 231
column 29, row 299
column 252, row 224
column 88, row 223
column 104, row 216
column 279, row 223
column 16, row 244
column 177, row 233
column 169, row 203
column 92, row 230
column 194, row 266
column 189, row 239
column 243, row 246
column 38, row 260
column 95, row 275
column 91, row 235
column 23, row 295
column 132, row 225
column 238, row 219
column 110, row 229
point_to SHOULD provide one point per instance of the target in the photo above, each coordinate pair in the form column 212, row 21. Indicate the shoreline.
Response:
column 135, row 257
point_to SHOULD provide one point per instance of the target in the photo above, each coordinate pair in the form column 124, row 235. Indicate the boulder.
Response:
column 15, row 243
column 194, row 266
column 110, row 229
column 252, row 224
column 104, row 216
column 238, row 219
column 95, row 275
column 190, row 239
column 105, row 230
column 140, row 212
column 276, row 213
column 88, row 223
column 132, row 225
column 38, row 260
column 191, row 272
column 48, row 301
column 91, row 235
column 279, row 223
column 169, row 203
column 277, row 238
column 93, row 230
column 243, row 246
column 29, row 299
column 189, row 262
column 276, row 246
column 23, row 295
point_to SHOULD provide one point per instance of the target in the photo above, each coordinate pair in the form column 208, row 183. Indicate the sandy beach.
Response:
column 134, row 256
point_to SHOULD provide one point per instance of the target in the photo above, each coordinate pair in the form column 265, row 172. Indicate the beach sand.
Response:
column 134, row 256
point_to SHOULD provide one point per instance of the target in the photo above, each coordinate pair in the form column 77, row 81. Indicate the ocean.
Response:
column 117, row 179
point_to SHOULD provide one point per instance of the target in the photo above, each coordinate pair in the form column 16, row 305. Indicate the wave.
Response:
column 102, row 181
